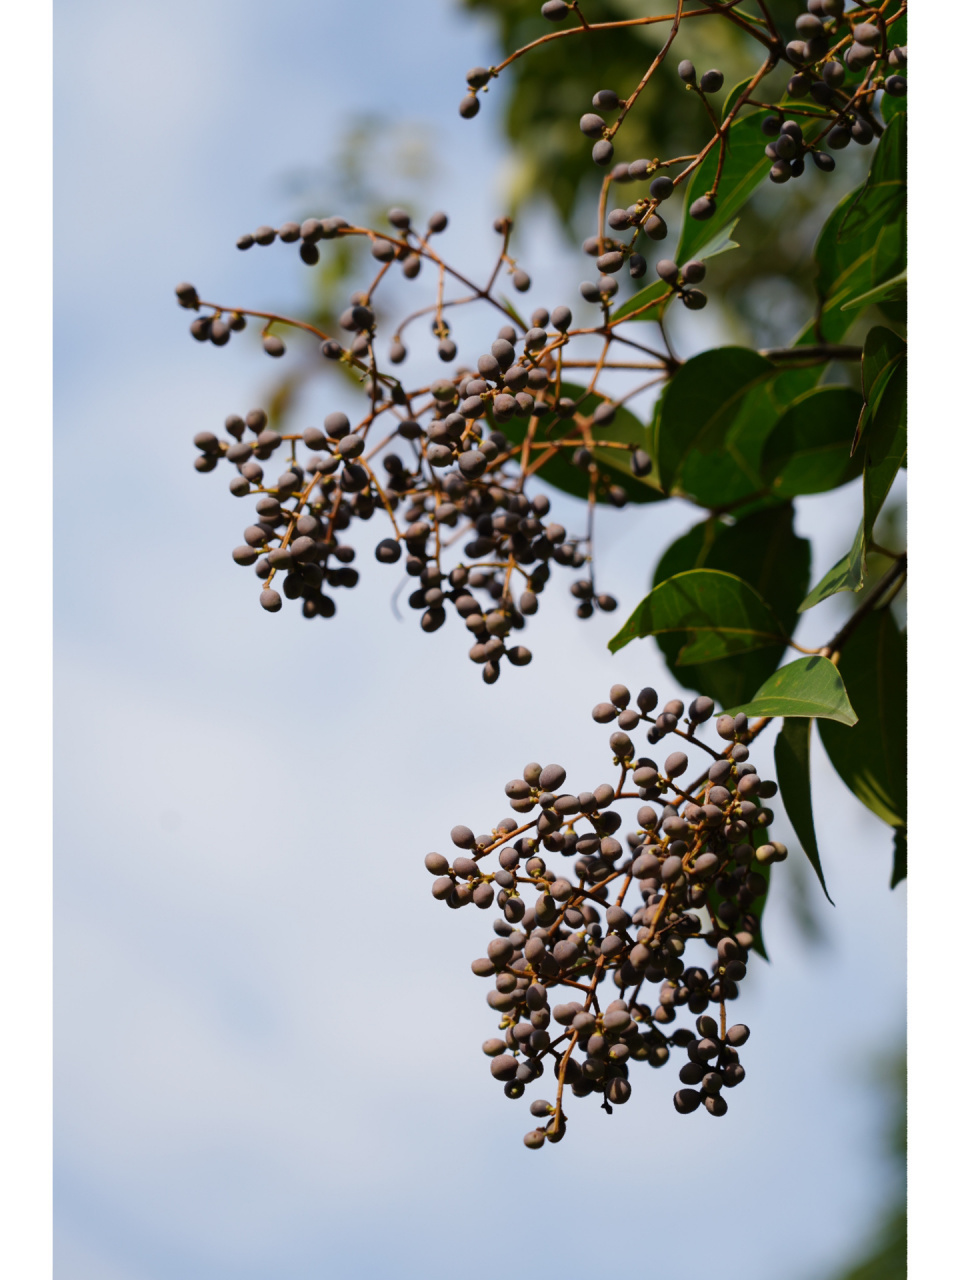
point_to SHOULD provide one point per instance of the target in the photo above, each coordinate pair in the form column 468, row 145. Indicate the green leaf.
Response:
column 764, row 550
column 843, row 272
column 744, row 168
column 872, row 757
column 613, row 464
column 867, row 254
column 808, row 450
column 890, row 255
column 730, row 475
column 721, row 466
column 718, row 613
column 884, row 193
column 891, row 106
column 882, row 348
column 885, row 445
column 811, row 686
column 882, row 351
column 792, row 757
column 649, row 293
column 899, row 856
column 892, row 290
column 722, row 242
column 732, row 96
column 701, row 402
column 897, row 34
column 884, row 454
column 846, row 575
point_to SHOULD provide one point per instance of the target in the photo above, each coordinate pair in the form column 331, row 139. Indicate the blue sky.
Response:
column 267, row 1036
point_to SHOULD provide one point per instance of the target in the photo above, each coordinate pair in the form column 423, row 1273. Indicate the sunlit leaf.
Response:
column 718, row 613
column 846, row 575
column 810, row 687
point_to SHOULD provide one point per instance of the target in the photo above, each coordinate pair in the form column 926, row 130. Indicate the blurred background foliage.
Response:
column 884, row 1254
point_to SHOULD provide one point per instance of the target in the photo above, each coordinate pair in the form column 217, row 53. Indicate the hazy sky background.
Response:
column 267, row 1032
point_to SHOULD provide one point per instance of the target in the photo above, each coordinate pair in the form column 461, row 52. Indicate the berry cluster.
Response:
column 825, row 31
column 846, row 113
column 467, row 445
column 457, row 475
column 839, row 112
column 611, row 255
column 696, row 866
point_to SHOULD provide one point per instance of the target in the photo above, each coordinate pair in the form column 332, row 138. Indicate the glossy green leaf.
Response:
column 883, row 454
column 717, row 613
column 892, row 290
column 843, row 272
column 654, row 292
column 808, row 451
column 764, row 550
column 744, row 168
column 792, row 757
column 733, row 95
column 897, row 35
column 882, row 351
column 721, row 241
column 893, row 312
column 891, row 107
column 810, row 687
column 882, row 348
column 890, row 254
column 885, row 446
column 701, row 402
column 723, row 471
column 730, row 475
column 846, row 575
column 856, row 251
column 884, row 194
column 613, row 464
column 836, row 258
column 872, row 757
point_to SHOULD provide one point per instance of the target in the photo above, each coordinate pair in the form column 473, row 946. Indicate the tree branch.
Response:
column 898, row 570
